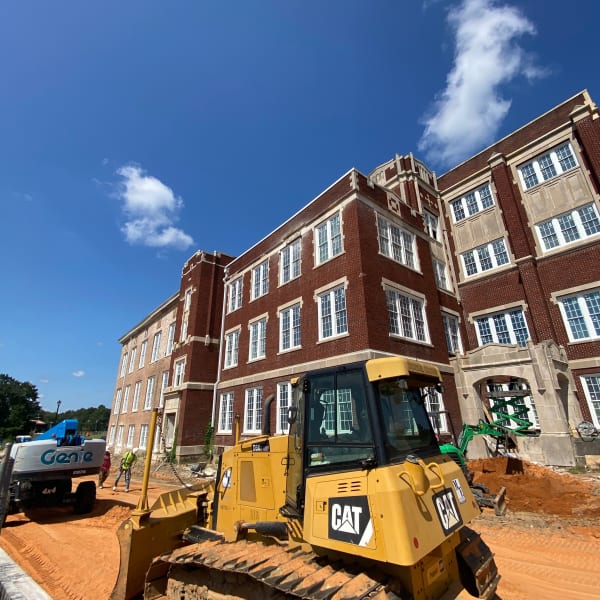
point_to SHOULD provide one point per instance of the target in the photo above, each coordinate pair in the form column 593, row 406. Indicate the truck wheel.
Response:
column 85, row 497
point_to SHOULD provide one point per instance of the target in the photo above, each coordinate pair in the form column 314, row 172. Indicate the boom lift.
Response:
column 357, row 501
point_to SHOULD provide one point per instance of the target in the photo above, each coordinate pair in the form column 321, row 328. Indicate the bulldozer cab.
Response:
column 340, row 420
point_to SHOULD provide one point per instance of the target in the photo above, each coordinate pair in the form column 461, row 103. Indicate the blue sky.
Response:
column 134, row 133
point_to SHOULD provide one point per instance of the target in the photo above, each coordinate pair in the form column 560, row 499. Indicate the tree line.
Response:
column 21, row 413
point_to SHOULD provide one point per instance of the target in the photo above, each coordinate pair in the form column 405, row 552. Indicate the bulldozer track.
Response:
column 213, row 570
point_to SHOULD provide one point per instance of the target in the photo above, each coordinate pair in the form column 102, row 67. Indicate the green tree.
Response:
column 19, row 406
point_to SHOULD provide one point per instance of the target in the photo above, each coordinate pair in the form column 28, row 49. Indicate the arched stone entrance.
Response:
column 542, row 372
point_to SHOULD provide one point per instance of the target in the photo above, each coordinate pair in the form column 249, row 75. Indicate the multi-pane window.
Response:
column 170, row 338
column 149, row 393
column 333, row 319
column 143, row 437
column 124, row 364
column 125, row 399
column 452, row 332
column 441, row 274
column 406, row 315
column 253, row 410
column 117, row 407
column 130, row 434
column 548, row 165
column 472, row 203
column 155, row 346
column 396, row 243
column 289, row 328
column 163, row 386
column 132, row 359
column 120, row 432
column 578, row 224
column 232, row 346
column 289, row 262
column 226, row 413
column 179, row 372
column 328, row 239
column 143, row 348
column 432, row 224
column 434, row 404
column 258, row 339
column 187, row 302
column 136, row 396
column 284, row 400
column 591, row 387
column 581, row 314
column 260, row 279
column 111, row 435
column 485, row 257
column 234, row 298
column 503, row 328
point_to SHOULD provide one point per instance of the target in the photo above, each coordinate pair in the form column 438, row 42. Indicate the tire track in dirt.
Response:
column 556, row 565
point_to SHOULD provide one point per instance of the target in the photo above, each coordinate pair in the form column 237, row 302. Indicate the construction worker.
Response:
column 127, row 461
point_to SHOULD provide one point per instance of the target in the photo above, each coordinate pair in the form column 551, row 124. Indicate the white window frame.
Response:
column 260, row 280
column 130, row 435
column 111, row 435
column 452, row 333
column 178, row 372
column 253, row 410
column 125, row 399
column 284, row 401
column 143, row 350
column 235, row 290
column 143, row 441
column 582, row 309
column 117, row 406
column 472, row 203
column 232, row 349
column 120, row 432
column 328, row 239
column 591, row 389
column 149, row 393
column 397, row 243
column 290, row 261
column 170, row 339
column 440, row 271
column 534, row 172
column 432, row 225
column 554, row 227
column 225, row 423
column 407, row 317
column 136, row 396
column 332, row 313
column 257, row 346
column 132, row 359
column 481, row 254
column 164, row 384
column 491, row 321
column 290, row 321
column 124, row 364
column 156, row 347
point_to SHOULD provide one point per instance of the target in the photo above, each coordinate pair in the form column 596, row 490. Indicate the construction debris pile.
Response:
column 538, row 489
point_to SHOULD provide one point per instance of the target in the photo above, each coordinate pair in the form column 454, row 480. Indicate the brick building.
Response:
column 490, row 271
column 169, row 361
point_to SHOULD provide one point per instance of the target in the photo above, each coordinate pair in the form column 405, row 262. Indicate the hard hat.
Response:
column 135, row 450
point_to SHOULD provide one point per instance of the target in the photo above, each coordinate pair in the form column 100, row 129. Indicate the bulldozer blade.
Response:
column 147, row 534
column 500, row 502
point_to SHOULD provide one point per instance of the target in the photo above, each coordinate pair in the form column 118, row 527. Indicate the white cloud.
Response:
column 78, row 373
column 44, row 380
column 467, row 114
column 151, row 209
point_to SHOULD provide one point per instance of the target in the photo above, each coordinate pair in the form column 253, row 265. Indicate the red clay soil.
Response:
column 537, row 489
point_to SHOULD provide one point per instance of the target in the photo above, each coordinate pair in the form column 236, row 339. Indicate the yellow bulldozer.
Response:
column 356, row 501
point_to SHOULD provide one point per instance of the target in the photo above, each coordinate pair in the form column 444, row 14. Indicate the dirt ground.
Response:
column 546, row 546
